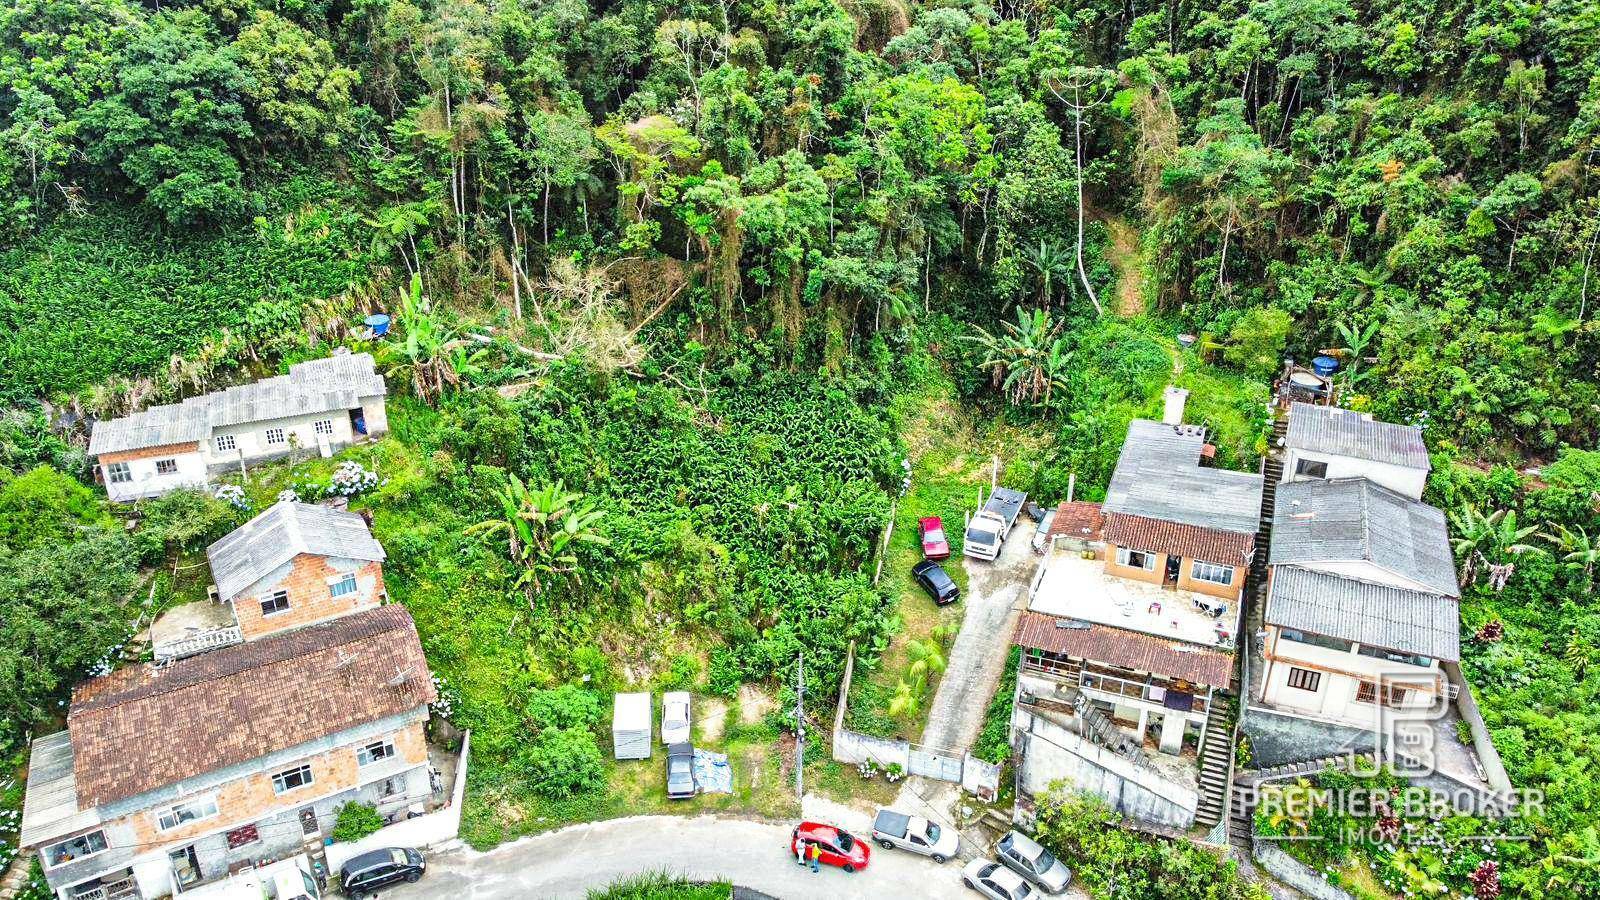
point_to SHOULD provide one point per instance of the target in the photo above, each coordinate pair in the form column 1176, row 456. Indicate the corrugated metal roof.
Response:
column 1375, row 614
column 319, row 385
column 50, row 807
column 1118, row 646
column 1356, row 520
column 1328, row 429
column 1159, row 476
column 283, row 532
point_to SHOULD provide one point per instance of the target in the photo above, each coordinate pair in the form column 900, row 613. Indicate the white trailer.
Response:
column 631, row 726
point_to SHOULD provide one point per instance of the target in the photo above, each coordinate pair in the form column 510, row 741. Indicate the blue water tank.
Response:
column 1324, row 366
column 379, row 323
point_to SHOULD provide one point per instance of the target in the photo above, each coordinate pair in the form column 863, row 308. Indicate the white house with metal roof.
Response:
column 1362, row 604
column 323, row 404
column 1328, row 442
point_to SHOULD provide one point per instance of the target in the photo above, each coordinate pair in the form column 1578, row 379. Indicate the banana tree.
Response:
column 1027, row 362
column 543, row 529
column 1486, row 544
column 1579, row 551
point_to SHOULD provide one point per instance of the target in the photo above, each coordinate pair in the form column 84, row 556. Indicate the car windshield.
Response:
column 934, row 536
column 845, row 842
column 933, row 832
column 1044, row 861
column 398, row 857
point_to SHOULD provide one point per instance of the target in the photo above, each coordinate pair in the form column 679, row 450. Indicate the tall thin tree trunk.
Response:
column 516, row 262
column 1077, row 141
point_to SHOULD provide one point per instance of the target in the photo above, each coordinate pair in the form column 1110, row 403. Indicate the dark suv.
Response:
column 363, row 874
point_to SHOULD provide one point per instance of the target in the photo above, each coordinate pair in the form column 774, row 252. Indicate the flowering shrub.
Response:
column 351, row 478
column 287, row 495
column 233, row 495
column 447, row 697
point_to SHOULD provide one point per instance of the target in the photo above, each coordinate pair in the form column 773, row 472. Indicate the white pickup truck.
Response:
column 891, row 829
column 288, row 879
column 987, row 528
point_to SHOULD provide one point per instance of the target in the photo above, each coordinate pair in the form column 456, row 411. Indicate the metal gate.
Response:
column 934, row 765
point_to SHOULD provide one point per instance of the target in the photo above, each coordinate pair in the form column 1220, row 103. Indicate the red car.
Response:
column 839, row 847
column 934, row 544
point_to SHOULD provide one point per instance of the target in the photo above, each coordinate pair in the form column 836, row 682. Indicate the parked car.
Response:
column 934, row 544
column 839, row 847
column 1033, row 862
column 936, row 581
column 995, row 881
column 680, row 771
column 362, row 874
column 674, row 717
column 892, row 829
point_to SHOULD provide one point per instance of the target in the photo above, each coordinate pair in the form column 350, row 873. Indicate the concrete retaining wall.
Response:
column 1294, row 873
column 1277, row 739
column 1053, row 754
column 1467, row 706
column 438, row 827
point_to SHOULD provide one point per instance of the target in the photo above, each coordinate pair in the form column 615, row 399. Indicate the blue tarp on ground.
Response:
column 712, row 774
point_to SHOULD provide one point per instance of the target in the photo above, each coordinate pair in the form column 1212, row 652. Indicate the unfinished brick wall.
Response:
column 247, row 800
column 148, row 452
column 310, row 600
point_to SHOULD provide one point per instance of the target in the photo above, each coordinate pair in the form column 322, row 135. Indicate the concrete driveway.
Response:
column 574, row 860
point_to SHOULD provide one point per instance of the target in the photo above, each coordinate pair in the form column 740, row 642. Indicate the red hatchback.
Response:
column 839, row 847
column 934, row 543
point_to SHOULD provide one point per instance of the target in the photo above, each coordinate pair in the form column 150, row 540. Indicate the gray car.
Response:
column 680, row 771
column 1024, row 856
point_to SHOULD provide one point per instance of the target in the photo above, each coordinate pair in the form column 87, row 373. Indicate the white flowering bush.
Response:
column 445, row 705
column 287, row 495
column 233, row 495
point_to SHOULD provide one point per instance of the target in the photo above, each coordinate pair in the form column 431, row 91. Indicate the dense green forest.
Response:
column 702, row 277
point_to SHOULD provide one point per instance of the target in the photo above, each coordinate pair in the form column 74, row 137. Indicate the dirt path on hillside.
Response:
column 1126, row 255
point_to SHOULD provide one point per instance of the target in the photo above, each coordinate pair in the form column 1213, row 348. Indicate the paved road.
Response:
column 570, row 862
column 978, row 657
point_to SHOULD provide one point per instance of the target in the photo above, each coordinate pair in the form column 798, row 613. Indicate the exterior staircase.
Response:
column 1099, row 728
column 1216, row 768
column 1272, row 473
column 1241, row 819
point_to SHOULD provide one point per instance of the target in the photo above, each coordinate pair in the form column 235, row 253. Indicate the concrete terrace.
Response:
column 1077, row 588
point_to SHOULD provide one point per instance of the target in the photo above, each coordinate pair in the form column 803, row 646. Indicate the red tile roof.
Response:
column 1192, row 541
column 1078, row 518
column 143, row 727
column 1119, row 646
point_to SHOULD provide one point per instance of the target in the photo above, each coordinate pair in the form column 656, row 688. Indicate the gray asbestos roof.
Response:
column 50, row 807
column 1159, row 476
column 1375, row 614
column 284, row 531
column 319, row 385
column 1326, row 429
column 1352, row 520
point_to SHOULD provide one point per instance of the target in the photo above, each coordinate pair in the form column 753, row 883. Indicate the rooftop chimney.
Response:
column 1175, row 397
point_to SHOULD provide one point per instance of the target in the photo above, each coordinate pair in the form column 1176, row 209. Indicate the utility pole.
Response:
column 800, row 728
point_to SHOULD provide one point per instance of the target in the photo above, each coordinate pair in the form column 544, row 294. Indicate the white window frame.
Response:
column 282, row 436
column 115, row 475
column 227, row 442
column 323, row 427
column 1210, row 570
column 1311, row 675
column 375, row 752
column 1125, row 558
column 104, row 846
column 177, row 810
column 272, row 599
column 279, row 779
column 335, row 585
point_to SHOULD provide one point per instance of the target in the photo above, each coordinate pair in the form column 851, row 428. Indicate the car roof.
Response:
column 681, row 748
column 371, row 858
column 818, row 829
column 1006, row 878
column 1024, row 846
column 931, row 522
column 924, row 566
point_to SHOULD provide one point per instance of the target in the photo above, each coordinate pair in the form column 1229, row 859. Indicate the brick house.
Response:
column 322, row 403
column 170, row 776
column 1132, row 629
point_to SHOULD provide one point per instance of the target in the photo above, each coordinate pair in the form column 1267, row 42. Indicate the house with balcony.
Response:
column 171, row 776
column 1128, row 642
column 321, row 405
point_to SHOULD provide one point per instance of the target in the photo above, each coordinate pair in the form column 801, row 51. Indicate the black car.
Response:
column 936, row 581
column 680, row 771
column 364, row 873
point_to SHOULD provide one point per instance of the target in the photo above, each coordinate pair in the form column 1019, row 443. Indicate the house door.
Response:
column 185, row 866
column 308, row 821
column 1174, row 563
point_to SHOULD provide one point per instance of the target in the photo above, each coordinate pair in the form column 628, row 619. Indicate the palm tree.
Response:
column 1050, row 266
column 927, row 658
column 1579, row 551
column 543, row 528
column 1028, row 361
column 1486, row 543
